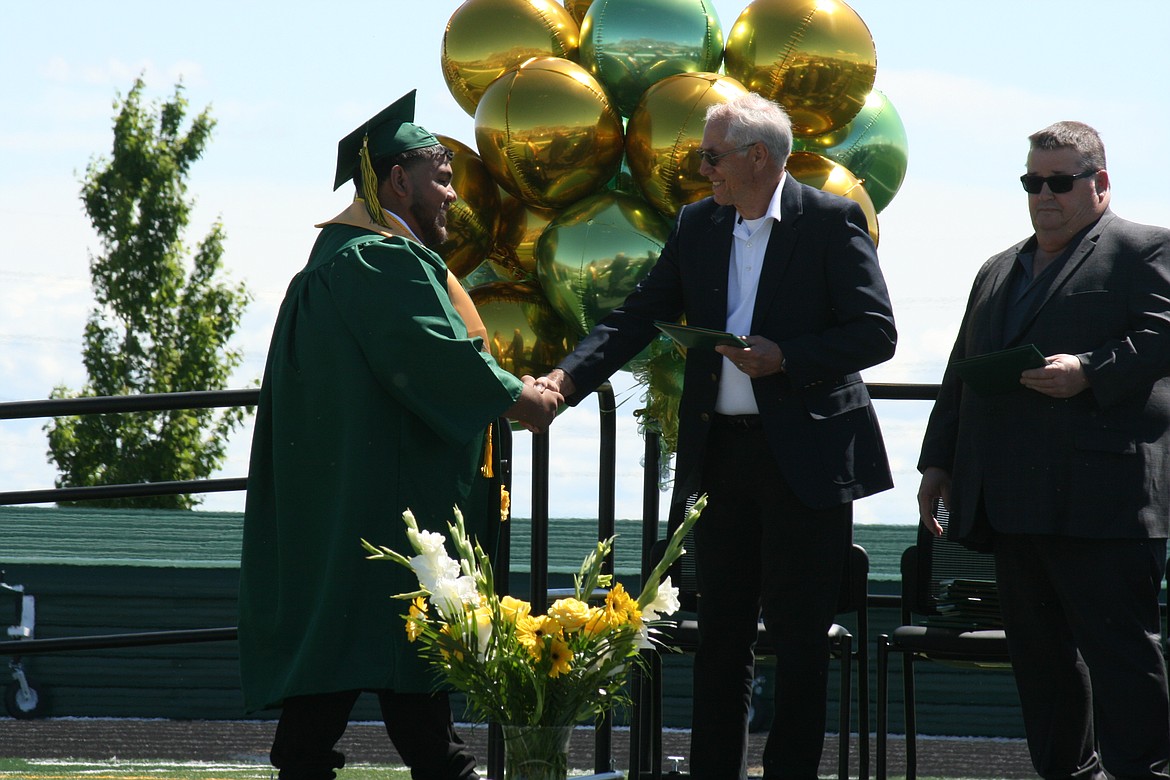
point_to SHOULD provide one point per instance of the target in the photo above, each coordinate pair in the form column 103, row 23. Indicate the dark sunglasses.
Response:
column 1060, row 183
column 713, row 159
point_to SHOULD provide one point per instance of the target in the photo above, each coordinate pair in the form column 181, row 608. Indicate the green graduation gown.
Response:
column 374, row 399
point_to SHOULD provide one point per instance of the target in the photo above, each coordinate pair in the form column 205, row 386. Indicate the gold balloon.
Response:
column 873, row 147
column 525, row 335
column 472, row 218
column 630, row 44
column 513, row 255
column 577, row 8
column 547, row 133
column 814, row 57
column 593, row 254
column 486, row 38
column 824, row 174
column 664, row 133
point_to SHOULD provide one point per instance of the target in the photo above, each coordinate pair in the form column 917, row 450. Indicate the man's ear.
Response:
column 400, row 181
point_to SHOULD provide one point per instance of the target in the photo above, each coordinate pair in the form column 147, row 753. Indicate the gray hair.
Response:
column 1078, row 136
column 752, row 118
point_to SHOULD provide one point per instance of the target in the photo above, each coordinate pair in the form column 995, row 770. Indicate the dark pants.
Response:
column 1083, row 628
column 418, row 724
column 759, row 549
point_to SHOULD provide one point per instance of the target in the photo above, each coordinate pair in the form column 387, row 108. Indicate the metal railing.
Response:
column 249, row 397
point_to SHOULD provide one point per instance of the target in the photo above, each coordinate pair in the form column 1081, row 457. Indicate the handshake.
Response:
column 537, row 406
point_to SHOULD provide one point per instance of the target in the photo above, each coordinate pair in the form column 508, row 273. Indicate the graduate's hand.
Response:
column 936, row 484
column 536, row 408
column 557, row 381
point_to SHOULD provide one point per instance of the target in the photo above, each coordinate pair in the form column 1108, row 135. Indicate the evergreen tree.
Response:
column 162, row 320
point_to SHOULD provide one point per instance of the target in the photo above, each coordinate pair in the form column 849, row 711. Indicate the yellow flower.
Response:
column 561, row 657
column 414, row 622
column 623, row 606
column 570, row 613
column 598, row 622
column 505, row 504
column 532, row 630
column 446, row 631
column 513, row 609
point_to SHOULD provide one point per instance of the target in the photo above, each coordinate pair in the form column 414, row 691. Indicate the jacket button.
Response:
column 714, row 377
column 705, row 417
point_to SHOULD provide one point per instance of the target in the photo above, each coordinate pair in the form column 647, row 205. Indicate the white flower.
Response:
column 427, row 542
column 432, row 568
column 450, row 595
column 664, row 603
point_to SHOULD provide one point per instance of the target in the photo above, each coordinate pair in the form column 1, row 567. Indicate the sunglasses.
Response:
column 1060, row 183
column 713, row 159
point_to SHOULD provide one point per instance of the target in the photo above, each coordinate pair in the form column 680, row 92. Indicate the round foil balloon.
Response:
column 547, row 133
column 593, row 254
column 824, row 174
column 513, row 255
column 525, row 335
column 486, row 38
column 630, row 44
column 664, row 134
column 577, row 8
column 472, row 218
column 873, row 147
column 814, row 57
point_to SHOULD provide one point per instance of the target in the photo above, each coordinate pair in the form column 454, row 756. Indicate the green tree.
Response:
column 162, row 319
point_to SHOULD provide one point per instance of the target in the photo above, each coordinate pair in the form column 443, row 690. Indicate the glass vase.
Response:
column 536, row 752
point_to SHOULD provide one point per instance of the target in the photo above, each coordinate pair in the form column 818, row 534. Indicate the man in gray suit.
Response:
column 1067, row 477
column 781, row 434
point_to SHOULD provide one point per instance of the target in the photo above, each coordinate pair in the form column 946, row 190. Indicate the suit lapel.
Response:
column 997, row 298
column 778, row 255
column 1075, row 261
column 713, row 263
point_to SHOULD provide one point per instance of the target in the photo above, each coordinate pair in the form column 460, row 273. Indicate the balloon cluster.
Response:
column 587, row 117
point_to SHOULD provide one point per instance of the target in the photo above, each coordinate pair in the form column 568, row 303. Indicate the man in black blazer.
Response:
column 781, row 435
column 1067, row 477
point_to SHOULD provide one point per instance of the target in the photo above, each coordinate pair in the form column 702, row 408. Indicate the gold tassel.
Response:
column 370, row 186
column 486, row 468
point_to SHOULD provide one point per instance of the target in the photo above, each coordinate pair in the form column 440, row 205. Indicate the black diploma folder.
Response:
column 703, row 338
column 998, row 372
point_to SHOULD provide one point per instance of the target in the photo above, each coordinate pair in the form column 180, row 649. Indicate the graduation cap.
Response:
column 389, row 132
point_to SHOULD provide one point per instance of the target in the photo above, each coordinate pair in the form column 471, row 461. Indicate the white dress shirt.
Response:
column 750, row 240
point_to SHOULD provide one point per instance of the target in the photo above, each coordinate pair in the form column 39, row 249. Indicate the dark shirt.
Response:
column 1028, row 291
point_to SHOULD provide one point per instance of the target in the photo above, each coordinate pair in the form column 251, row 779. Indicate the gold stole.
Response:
column 355, row 216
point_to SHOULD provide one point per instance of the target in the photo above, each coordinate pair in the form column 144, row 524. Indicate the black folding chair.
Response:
column 949, row 614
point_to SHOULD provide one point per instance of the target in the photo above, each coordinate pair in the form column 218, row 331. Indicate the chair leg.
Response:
column 883, row 660
column 844, row 710
column 911, row 716
column 862, row 710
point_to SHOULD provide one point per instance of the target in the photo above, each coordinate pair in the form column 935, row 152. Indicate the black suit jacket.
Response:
column 821, row 297
column 1096, row 465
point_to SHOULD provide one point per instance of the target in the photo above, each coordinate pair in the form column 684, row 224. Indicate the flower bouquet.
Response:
column 514, row 666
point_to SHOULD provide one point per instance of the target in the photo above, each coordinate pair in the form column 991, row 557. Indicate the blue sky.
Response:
column 285, row 81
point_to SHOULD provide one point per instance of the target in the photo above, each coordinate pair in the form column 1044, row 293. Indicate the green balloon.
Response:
column 593, row 254
column 872, row 146
column 628, row 45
